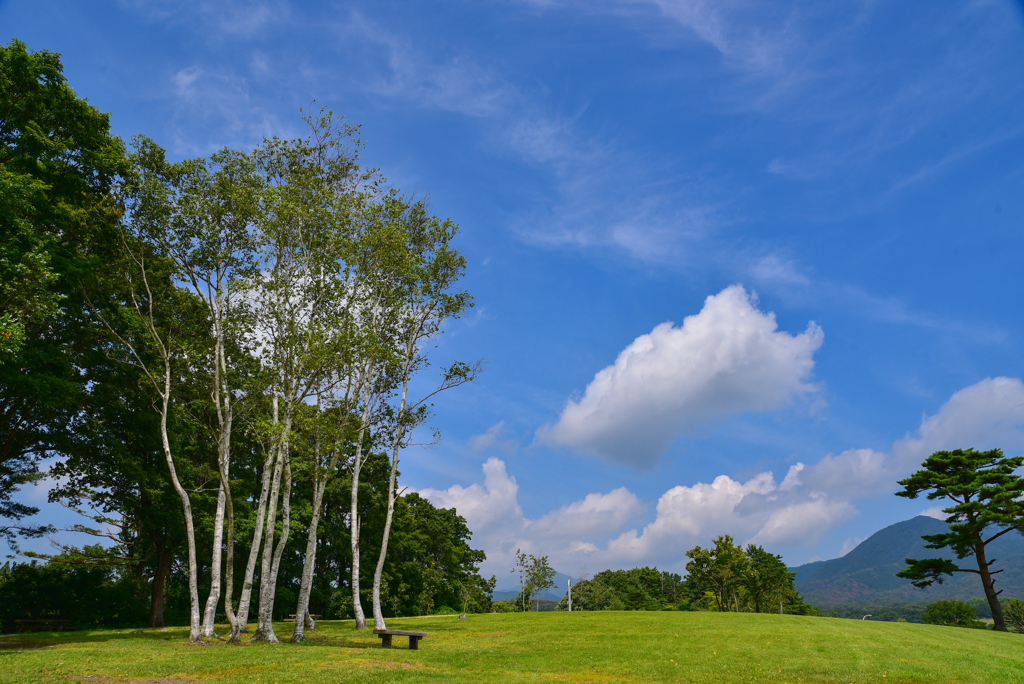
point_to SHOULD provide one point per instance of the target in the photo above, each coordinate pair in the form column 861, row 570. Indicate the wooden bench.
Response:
column 386, row 634
column 315, row 616
column 42, row 624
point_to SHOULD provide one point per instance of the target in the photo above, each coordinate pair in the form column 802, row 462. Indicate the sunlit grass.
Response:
column 576, row 647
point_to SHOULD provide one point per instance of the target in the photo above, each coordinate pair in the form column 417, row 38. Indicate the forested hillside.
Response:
column 867, row 574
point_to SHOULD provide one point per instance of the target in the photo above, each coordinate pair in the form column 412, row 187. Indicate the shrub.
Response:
column 506, row 607
column 952, row 614
column 88, row 596
column 1013, row 610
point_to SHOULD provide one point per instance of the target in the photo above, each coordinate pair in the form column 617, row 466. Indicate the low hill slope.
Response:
column 633, row 647
column 867, row 574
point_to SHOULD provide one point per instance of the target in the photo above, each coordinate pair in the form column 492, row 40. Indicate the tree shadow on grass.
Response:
column 38, row 640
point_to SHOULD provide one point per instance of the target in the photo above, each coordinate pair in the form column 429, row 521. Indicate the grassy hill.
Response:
column 579, row 647
column 867, row 574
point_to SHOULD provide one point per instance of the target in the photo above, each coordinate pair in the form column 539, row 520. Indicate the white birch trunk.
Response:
column 244, row 601
column 271, row 554
column 308, row 565
column 225, row 414
column 195, row 627
column 357, row 464
column 378, row 614
column 213, row 599
column 264, row 628
column 225, row 505
column 286, row 514
column 302, row 619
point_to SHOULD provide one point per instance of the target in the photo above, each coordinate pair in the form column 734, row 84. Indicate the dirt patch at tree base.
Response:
column 23, row 645
column 102, row 679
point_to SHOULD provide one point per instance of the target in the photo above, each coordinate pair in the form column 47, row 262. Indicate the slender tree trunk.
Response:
column 378, row 615
column 357, row 464
column 229, row 556
column 195, row 626
column 164, row 558
column 308, row 564
column 271, row 554
column 302, row 619
column 210, row 614
column 286, row 514
column 991, row 594
column 264, row 627
column 225, row 508
column 254, row 552
column 410, row 349
column 378, row 572
column 270, row 474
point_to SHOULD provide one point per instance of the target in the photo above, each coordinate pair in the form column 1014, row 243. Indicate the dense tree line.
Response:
column 723, row 578
column 225, row 356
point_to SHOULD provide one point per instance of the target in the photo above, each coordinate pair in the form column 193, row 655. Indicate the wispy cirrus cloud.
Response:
column 244, row 18
column 224, row 95
column 656, row 217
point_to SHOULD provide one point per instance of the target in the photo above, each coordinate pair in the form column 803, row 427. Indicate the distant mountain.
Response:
column 867, row 574
column 508, row 587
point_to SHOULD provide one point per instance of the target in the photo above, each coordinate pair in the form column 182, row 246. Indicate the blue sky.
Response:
column 833, row 193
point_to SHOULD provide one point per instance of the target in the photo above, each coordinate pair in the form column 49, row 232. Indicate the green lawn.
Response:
column 573, row 647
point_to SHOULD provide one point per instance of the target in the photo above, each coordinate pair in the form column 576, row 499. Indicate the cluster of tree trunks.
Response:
column 252, row 320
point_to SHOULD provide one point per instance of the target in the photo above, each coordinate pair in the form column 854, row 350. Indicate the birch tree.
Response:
column 151, row 329
column 302, row 225
column 426, row 271
column 209, row 239
column 354, row 380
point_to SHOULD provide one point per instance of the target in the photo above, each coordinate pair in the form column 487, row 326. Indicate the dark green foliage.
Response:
column 982, row 608
column 986, row 493
column 1013, row 609
column 909, row 612
column 719, row 570
column 429, row 565
column 88, row 596
column 636, row 589
column 952, row 614
column 429, row 560
column 58, row 165
column 727, row 578
column 767, row 580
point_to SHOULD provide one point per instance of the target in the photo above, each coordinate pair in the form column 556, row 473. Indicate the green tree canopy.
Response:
column 952, row 614
column 58, row 210
column 986, row 493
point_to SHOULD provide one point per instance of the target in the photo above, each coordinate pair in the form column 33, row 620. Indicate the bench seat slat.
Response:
column 394, row 632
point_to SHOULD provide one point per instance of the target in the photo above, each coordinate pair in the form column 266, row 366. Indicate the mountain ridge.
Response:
column 867, row 574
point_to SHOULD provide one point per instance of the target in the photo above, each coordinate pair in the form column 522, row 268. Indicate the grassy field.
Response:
column 570, row 647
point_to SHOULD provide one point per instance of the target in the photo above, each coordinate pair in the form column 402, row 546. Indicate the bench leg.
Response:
column 414, row 643
column 385, row 641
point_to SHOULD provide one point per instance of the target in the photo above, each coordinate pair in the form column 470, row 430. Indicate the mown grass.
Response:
column 576, row 647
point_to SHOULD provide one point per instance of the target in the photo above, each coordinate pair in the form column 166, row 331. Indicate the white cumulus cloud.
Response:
column 499, row 527
column 811, row 499
column 727, row 359
column 986, row 415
